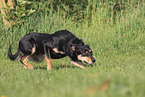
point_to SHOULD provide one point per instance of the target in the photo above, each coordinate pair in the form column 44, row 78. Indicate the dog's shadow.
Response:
column 55, row 67
column 59, row 67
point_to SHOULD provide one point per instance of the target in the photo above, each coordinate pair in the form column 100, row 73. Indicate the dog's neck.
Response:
column 71, row 41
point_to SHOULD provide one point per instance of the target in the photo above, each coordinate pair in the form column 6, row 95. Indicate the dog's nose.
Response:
column 93, row 60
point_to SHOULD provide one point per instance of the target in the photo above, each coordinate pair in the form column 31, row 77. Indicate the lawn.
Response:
column 125, row 74
column 119, row 50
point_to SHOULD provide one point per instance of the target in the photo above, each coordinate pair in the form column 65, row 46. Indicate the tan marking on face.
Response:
column 86, row 59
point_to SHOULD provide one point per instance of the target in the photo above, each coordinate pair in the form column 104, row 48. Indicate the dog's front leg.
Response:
column 78, row 64
column 48, row 60
column 47, row 56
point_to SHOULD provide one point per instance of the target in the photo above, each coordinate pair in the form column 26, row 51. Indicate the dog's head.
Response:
column 83, row 53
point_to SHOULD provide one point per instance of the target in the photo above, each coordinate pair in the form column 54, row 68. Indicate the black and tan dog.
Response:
column 37, row 46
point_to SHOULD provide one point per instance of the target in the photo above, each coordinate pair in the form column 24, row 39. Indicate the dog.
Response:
column 37, row 46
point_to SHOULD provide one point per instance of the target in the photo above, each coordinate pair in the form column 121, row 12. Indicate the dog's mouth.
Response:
column 84, row 63
column 87, row 62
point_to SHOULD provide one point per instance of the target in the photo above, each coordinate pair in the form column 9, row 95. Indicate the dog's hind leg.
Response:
column 24, row 59
column 24, row 62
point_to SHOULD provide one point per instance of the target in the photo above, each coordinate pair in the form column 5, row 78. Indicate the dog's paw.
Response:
column 25, row 66
column 48, row 68
column 30, row 67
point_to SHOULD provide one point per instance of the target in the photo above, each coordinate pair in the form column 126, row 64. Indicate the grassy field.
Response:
column 118, row 47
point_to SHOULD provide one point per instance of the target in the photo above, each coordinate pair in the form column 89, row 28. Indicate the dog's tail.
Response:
column 14, row 57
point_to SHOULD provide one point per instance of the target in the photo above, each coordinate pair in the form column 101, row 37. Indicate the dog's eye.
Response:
column 91, row 51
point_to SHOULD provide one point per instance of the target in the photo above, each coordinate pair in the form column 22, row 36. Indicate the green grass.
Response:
column 118, row 47
column 126, row 74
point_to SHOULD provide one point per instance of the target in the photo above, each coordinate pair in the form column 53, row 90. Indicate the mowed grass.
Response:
column 126, row 75
column 119, row 50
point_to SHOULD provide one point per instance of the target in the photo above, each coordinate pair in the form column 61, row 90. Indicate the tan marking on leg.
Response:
column 56, row 51
column 48, row 60
column 33, row 49
column 25, row 64
column 25, row 59
column 76, row 64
